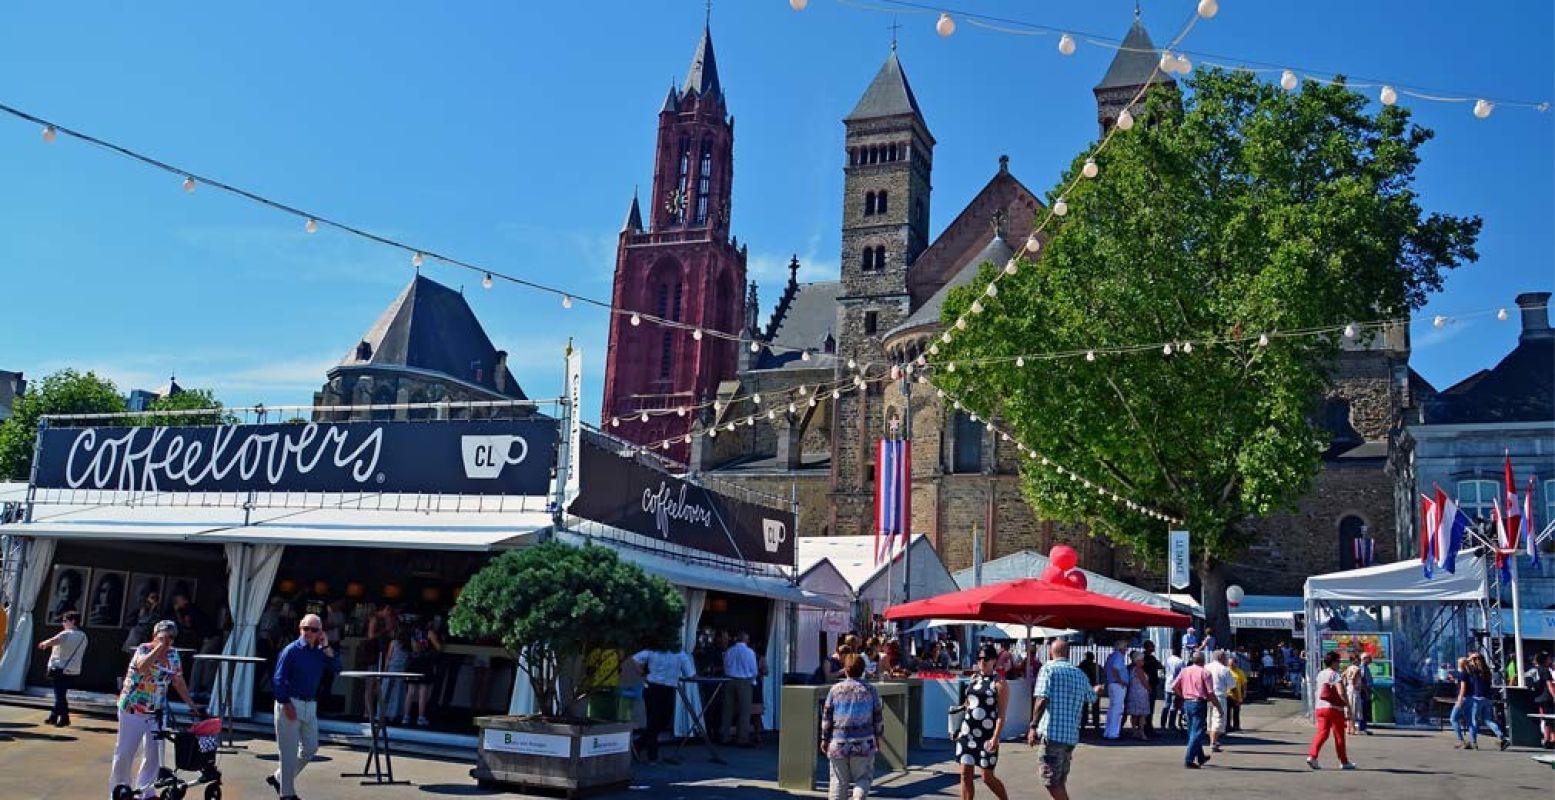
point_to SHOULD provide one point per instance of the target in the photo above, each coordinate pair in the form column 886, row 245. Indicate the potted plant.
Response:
column 565, row 614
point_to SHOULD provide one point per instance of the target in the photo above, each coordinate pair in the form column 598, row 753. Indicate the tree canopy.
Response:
column 64, row 392
column 552, row 605
column 1237, row 209
column 187, row 400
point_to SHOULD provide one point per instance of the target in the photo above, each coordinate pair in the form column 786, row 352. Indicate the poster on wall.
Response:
column 69, row 591
column 625, row 494
column 145, row 595
column 179, row 586
column 1378, row 645
column 106, row 607
column 512, row 457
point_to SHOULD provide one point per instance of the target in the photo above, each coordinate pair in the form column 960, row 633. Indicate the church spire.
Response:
column 888, row 94
column 634, row 217
column 702, row 77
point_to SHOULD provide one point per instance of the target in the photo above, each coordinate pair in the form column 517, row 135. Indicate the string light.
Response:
column 1289, row 81
column 804, row 355
column 486, row 281
column 798, row 5
column 1166, row 349
column 756, row 398
column 1439, row 321
column 755, row 346
column 697, row 334
column 1060, row 208
column 992, row 290
column 1066, row 45
column 1090, row 355
column 644, row 416
column 1501, row 315
column 615, row 422
column 1012, row 266
column 416, row 260
column 1350, row 331
column 1388, row 96
column 977, row 306
column 1263, row 340
column 636, row 320
column 687, row 440
column 1482, row 108
column 945, row 26
column 1187, row 347
column 188, row 184
column 1125, row 120
column 1090, row 169
column 680, row 411
column 1034, row 242
column 852, row 364
column 961, row 324
column 49, row 134
column 312, row 226
column 836, row 395
column 1020, row 361
column 1183, row 65
column 566, row 301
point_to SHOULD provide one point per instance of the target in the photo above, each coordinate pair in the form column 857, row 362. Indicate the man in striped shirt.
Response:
column 1061, row 694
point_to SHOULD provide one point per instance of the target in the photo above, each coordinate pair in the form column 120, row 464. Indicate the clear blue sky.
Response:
column 512, row 134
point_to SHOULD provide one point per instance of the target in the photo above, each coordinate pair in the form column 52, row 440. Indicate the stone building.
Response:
column 426, row 347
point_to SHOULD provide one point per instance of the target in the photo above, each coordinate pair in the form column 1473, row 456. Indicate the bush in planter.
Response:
column 553, row 604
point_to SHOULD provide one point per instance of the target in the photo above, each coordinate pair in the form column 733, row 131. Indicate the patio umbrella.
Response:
column 1033, row 602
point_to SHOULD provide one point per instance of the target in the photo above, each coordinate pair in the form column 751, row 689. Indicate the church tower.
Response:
column 684, row 267
column 1134, row 66
column 885, row 226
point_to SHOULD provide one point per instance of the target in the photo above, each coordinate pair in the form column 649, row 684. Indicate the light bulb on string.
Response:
column 1440, row 321
column 1090, row 169
column 951, row 367
column 49, row 134
column 1482, row 108
column 1066, row 45
column 1020, row 361
column 615, row 422
column 812, row 402
column 1289, row 81
column 961, row 323
column 1166, row 349
column 666, row 444
column 1182, row 64
column 992, row 290
column 1011, row 267
column 771, row 414
column 566, row 301
column 945, row 337
column 973, row 417
column 1388, row 95
column 416, row 260
column 1350, row 331
column 803, row 390
column 730, row 426
column 792, row 408
column 836, row 395
column 852, row 364
column 1263, row 340
column 311, row 226
column 188, row 184
column 718, row 406
column 687, row 440
column 933, row 349
column 636, row 320
column 1208, row 8
column 1060, row 207
column 1125, row 120
column 712, row 433
column 1033, row 243
column 977, row 306
column 940, row 393
column 1187, row 347
column 756, row 398
column 486, row 281
column 804, row 355
column 644, row 416
column 697, row 334
column 755, row 346
column 680, row 411
column 798, row 5
column 1167, row 63
column 946, row 25
column 1501, row 315
column 1090, row 355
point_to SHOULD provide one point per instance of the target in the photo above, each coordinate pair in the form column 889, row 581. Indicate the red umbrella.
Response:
column 1029, row 601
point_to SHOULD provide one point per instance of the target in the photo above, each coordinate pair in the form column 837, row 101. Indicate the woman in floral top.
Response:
column 154, row 667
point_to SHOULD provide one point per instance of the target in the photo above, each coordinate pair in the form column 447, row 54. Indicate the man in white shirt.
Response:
column 1172, row 708
column 740, row 669
column 1115, row 672
column 1224, row 682
column 662, row 671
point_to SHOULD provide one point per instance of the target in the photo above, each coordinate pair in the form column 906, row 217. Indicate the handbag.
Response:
column 55, row 673
column 1330, row 694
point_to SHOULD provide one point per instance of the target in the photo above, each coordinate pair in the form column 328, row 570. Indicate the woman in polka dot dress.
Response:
column 977, row 743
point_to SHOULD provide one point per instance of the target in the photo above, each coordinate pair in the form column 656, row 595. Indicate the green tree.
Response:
column 1242, row 209
column 187, row 400
column 552, row 605
column 64, row 392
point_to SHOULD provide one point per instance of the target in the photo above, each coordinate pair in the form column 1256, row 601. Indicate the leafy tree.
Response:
column 1241, row 209
column 64, row 392
column 187, row 400
column 553, row 605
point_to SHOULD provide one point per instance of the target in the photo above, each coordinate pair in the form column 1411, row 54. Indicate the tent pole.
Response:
column 1517, row 623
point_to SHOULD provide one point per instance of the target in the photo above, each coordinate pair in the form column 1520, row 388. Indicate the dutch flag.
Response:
column 1450, row 528
column 893, row 494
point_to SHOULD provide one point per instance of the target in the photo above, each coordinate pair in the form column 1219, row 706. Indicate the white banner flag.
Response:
column 1178, row 562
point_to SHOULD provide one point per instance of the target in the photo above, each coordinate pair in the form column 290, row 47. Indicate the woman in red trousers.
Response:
column 1329, row 710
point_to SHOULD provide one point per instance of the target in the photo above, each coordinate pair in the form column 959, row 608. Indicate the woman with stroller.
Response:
column 142, row 700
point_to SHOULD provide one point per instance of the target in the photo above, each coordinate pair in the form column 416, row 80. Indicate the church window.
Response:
column 364, row 352
column 871, row 322
column 967, row 441
column 682, row 178
column 869, row 203
column 666, row 355
column 1350, row 529
column 879, row 258
column 891, row 153
column 704, row 180
column 675, row 309
column 880, row 203
column 1474, row 498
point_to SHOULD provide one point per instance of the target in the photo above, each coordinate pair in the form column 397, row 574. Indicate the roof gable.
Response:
column 968, row 233
column 1519, row 389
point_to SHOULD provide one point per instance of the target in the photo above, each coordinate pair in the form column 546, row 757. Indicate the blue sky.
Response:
column 512, row 134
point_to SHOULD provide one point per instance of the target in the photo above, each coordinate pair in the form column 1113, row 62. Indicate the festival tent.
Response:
column 877, row 585
column 1034, row 602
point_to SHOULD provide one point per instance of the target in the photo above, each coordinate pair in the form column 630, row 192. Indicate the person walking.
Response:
column 1223, row 681
column 1090, row 716
column 1153, row 671
column 852, row 722
column 299, row 670
column 1171, row 704
column 1061, row 695
column 741, row 669
column 663, row 669
column 1115, row 671
column 1137, row 702
column 153, row 669
column 1542, row 682
column 977, row 743
column 1482, row 702
column 1196, row 689
column 1460, row 708
column 1328, row 709
column 66, row 650
column 1363, row 692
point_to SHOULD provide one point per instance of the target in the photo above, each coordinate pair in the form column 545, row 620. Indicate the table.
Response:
column 698, row 724
column 383, row 772
column 225, row 666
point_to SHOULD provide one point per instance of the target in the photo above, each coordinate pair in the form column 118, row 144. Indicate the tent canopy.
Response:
column 1035, row 602
column 999, row 630
column 1402, row 583
column 854, row 558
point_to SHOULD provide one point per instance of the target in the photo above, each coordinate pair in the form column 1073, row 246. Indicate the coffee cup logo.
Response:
column 773, row 533
column 485, row 456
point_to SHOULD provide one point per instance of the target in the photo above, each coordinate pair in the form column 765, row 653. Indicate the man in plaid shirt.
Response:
column 1061, row 694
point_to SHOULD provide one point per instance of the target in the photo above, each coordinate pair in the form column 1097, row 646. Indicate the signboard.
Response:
column 1378, row 645
column 624, row 494
column 512, row 457
column 530, row 744
column 569, row 486
column 608, row 744
column 1178, row 560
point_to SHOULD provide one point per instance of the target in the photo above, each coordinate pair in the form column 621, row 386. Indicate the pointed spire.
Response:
column 1136, row 60
column 634, row 217
column 888, row 94
column 671, row 100
column 702, row 77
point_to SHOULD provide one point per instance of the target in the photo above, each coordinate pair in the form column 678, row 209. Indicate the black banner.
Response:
column 512, row 457
column 622, row 493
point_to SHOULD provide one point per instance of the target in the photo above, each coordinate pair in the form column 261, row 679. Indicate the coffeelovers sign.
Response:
column 511, row 457
column 624, row 494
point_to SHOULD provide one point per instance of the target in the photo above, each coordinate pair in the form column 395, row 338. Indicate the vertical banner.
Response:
column 574, row 422
column 1178, row 561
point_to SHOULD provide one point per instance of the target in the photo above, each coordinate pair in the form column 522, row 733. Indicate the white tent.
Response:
column 874, row 584
column 1400, row 583
column 821, row 578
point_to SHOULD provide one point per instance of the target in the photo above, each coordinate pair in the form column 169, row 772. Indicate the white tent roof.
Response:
column 854, row 558
column 1401, row 583
column 823, row 578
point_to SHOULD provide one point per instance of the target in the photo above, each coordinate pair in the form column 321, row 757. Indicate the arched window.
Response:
column 891, row 153
column 869, row 203
column 880, row 258
column 968, row 438
column 704, row 180
column 874, row 155
column 682, row 179
column 852, row 156
column 1474, row 498
column 880, row 202
column 1351, row 528
column 867, row 260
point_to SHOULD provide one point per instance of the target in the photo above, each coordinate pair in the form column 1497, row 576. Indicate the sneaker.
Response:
column 1505, row 743
column 1471, row 746
column 274, row 784
column 1347, row 765
column 1312, row 762
column 1190, row 765
column 53, row 718
column 64, row 722
column 1203, row 760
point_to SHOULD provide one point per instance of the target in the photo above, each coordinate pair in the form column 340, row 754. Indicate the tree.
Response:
column 553, row 605
column 64, row 392
column 187, row 400
column 1240, row 209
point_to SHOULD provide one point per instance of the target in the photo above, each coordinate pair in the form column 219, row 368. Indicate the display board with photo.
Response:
column 68, row 591
column 142, row 586
column 176, row 585
column 105, row 603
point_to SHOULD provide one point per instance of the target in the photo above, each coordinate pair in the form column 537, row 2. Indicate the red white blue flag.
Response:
column 1365, row 551
column 1450, row 527
column 893, row 495
column 1513, row 512
column 1430, row 519
column 1530, row 541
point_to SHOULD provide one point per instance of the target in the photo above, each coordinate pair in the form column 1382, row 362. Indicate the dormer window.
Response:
column 364, row 351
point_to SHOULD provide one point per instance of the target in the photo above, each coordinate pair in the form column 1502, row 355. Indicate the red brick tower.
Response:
column 684, row 267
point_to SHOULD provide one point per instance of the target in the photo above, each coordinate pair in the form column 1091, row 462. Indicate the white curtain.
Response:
column 251, row 572
column 19, row 647
column 695, row 600
column 777, row 662
column 522, row 701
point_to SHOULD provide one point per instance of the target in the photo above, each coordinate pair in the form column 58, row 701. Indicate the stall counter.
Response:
column 940, row 695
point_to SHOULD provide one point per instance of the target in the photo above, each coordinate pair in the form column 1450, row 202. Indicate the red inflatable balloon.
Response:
column 1076, row 579
column 1064, row 557
column 1053, row 574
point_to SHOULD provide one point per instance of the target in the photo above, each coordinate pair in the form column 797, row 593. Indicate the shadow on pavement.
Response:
column 458, row 790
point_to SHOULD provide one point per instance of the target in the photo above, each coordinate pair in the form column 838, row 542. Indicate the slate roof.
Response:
column 996, row 252
column 1135, row 63
column 702, row 76
column 888, row 94
column 1519, row 389
column 431, row 327
column 810, row 316
column 634, row 217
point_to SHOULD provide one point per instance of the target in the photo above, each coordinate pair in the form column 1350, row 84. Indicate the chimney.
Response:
column 1536, row 316
column 499, row 375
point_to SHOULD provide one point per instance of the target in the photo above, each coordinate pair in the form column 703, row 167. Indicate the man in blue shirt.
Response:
column 1115, row 673
column 299, row 669
column 1062, row 692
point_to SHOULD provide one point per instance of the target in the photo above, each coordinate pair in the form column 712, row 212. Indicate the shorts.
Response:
column 1056, row 759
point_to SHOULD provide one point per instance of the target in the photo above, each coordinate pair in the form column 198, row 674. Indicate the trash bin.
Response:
column 1523, row 731
column 1382, row 705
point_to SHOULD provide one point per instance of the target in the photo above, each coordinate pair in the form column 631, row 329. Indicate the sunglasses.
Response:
column 312, row 630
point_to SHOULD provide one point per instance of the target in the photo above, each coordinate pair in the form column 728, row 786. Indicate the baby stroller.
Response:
column 194, row 750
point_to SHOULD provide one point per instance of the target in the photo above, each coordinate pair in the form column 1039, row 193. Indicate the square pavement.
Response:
column 1264, row 761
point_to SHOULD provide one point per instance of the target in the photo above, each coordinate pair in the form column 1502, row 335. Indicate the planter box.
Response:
column 572, row 758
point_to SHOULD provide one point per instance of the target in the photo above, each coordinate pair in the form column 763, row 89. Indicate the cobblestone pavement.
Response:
column 1263, row 762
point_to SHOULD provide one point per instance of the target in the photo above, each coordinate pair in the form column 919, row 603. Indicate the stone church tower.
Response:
column 684, row 266
column 1133, row 67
